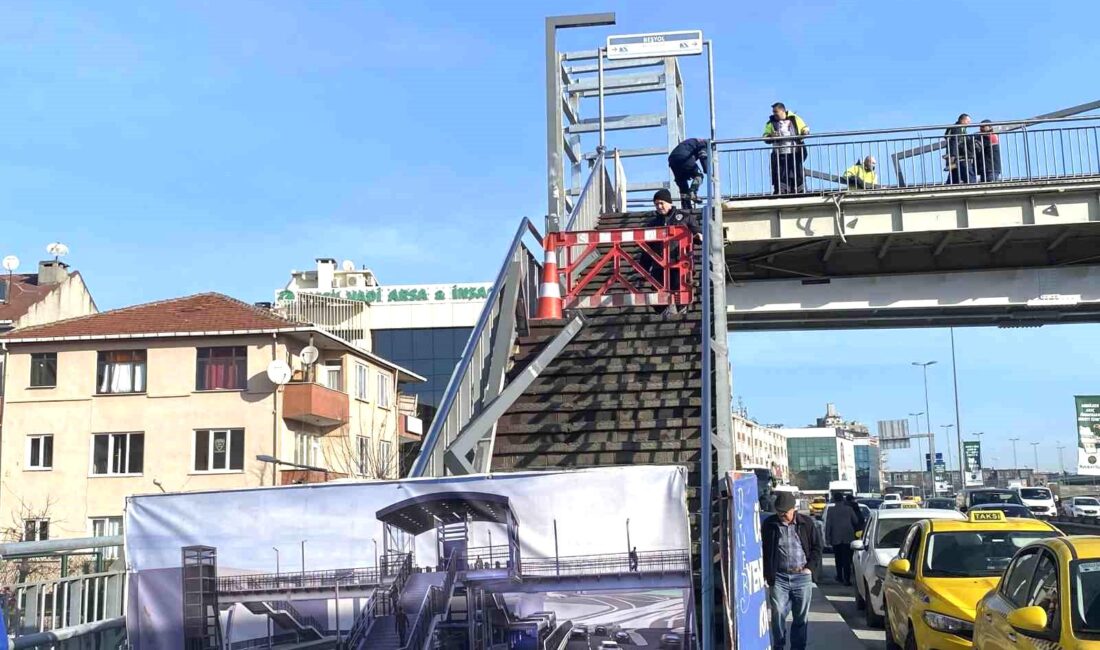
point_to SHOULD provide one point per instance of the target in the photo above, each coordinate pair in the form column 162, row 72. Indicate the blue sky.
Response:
column 185, row 147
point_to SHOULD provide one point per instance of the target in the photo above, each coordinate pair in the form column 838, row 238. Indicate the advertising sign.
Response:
column 1088, row 434
column 752, row 624
column 972, row 454
column 636, row 46
column 518, row 561
column 893, row 434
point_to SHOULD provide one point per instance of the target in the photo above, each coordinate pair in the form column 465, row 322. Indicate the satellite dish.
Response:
column 57, row 249
column 309, row 355
column 348, row 265
column 278, row 372
column 11, row 263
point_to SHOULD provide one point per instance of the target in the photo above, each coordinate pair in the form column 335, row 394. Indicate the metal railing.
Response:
column 348, row 319
column 304, row 621
column 648, row 562
column 263, row 642
column 54, row 604
column 308, row 580
column 499, row 556
column 437, row 602
column 599, row 196
column 108, row 634
column 1025, row 151
column 480, row 372
column 559, row 638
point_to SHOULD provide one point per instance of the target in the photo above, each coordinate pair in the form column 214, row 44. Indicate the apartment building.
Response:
column 759, row 445
column 175, row 396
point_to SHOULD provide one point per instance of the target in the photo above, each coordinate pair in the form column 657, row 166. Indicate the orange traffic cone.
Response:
column 550, row 290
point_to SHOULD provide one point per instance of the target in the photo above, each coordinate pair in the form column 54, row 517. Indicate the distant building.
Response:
column 990, row 478
column 760, row 445
column 817, row 455
column 175, row 395
column 868, row 466
column 54, row 293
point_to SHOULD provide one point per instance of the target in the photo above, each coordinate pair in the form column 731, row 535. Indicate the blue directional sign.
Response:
column 657, row 44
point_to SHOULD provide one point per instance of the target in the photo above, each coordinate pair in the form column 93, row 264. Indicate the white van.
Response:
column 1038, row 500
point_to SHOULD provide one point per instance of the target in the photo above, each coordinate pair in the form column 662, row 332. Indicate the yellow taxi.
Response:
column 1049, row 597
column 817, row 506
column 941, row 571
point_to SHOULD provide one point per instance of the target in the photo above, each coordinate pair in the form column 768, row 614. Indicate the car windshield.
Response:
column 1086, row 501
column 1035, row 494
column 1086, row 596
column 993, row 497
column 976, row 553
column 891, row 532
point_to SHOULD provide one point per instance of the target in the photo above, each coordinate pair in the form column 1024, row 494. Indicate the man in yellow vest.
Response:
column 785, row 130
column 862, row 175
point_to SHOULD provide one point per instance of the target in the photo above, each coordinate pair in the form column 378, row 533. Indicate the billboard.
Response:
column 1088, row 434
column 752, row 624
column 519, row 561
column 972, row 454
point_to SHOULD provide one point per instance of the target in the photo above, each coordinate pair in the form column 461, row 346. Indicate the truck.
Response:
column 841, row 489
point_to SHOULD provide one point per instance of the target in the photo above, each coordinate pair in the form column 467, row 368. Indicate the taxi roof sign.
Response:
column 986, row 516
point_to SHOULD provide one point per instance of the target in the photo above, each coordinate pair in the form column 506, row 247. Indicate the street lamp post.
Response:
column 276, row 563
column 928, row 420
column 375, row 542
column 628, row 535
column 947, row 437
column 265, row 458
column 1061, row 460
column 1015, row 463
column 1035, row 449
column 304, row 562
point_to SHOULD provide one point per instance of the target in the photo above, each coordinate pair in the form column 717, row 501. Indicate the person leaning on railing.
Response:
column 989, row 159
column 666, row 214
column 963, row 152
column 862, row 174
column 789, row 153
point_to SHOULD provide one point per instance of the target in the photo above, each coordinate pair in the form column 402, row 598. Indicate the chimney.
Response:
column 52, row 272
column 326, row 273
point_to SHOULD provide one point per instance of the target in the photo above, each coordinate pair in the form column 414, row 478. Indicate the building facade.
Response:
column 817, row 455
column 758, row 445
column 420, row 327
column 176, row 396
column 868, row 467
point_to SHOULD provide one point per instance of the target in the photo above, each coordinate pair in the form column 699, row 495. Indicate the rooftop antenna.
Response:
column 11, row 263
column 58, row 250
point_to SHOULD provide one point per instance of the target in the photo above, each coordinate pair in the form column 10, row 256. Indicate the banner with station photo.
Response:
column 1088, row 434
column 972, row 453
column 522, row 561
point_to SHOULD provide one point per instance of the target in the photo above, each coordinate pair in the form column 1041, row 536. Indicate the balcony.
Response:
column 315, row 404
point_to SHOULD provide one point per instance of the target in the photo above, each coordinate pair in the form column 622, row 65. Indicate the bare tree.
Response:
column 25, row 569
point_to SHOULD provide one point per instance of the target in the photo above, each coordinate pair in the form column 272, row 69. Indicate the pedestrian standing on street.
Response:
column 685, row 162
column 634, row 559
column 854, row 505
column 788, row 150
column 791, row 546
column 841, row 524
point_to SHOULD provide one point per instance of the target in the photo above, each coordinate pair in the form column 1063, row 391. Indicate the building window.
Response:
column 121, row 371
column 107, row 527
column 221, row 368
column 364, row 454
column 361, row 382
column 384, row 460
column 383, row 390
column 40, row 451
column 332, row 375
column 44, row 370
column 219, row 450
column 307, row 448
column 36, row 530
column 118, row 453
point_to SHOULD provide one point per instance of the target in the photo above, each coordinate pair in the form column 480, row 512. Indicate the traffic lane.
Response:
column 843, row 600
column 639, row 638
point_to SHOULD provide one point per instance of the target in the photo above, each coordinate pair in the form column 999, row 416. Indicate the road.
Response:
column 843, row 599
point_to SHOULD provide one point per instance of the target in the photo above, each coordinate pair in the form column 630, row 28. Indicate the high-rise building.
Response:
column 760, row 445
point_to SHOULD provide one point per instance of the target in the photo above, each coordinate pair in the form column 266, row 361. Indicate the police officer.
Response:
column 862, row 175
column 685, row 161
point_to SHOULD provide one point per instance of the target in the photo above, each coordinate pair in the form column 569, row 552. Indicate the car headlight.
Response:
column 949, row 624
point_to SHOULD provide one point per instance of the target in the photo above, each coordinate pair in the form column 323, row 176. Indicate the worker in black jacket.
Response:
column 665, row 214
column 685, row 162
column 791, row 544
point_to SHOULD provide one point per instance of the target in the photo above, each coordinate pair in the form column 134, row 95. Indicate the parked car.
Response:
column 1081, row 507
column 941, row 503
column 973, row 496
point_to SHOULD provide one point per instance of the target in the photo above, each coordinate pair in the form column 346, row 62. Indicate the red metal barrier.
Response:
column 665, row 272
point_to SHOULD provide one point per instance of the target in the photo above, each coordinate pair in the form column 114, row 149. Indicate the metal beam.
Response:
column 885, row 246
column 54, row 546
column 624, row 64
column 829, row 250
column 455, row 457
column 633, row 153
column 623, row 91
column 1059, row 239
column 1001, row 242
column 618, row 122
column 621, row 81
column 943, row 243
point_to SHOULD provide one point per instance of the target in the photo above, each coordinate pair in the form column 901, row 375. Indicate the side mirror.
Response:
column 900, row 567
column 858, row 545
column 962, row 509
column 1030, row 621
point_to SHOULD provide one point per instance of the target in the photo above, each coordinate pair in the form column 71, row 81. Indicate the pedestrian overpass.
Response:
column 1020, row 251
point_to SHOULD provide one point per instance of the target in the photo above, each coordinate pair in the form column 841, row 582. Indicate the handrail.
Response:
column 363, row 624
column 1023, row 123
column 290, row 580
column 461, row 377
column 592, row 201
column 50, row 639
column 102, row 596
column 437, row 601
column 304, row 620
